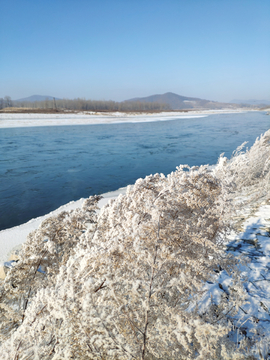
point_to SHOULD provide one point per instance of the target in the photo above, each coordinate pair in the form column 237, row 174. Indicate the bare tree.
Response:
column 8, row 101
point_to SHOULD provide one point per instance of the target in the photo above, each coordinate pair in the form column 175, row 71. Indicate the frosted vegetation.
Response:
column 126, row 282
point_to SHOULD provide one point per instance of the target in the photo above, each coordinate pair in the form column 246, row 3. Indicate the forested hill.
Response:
column 176, row 102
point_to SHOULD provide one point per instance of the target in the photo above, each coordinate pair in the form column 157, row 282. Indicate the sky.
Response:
column 119, row 49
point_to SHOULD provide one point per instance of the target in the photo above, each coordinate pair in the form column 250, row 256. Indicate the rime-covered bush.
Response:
column 123, row 283
column 45, row 250
column 249, row 170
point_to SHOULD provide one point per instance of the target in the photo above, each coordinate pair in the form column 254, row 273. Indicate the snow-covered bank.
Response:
column 149, row 272
column 87, row 118
column 12, row 239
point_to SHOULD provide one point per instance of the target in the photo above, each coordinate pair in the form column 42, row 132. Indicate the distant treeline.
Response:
column 6, row 102
column 85, row 105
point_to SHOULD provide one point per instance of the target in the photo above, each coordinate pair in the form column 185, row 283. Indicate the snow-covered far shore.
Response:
column 11, row 239
column 8, row 120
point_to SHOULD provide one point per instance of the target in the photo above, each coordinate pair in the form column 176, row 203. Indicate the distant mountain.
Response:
column 178, row 102
column 34, row 98
column 251, row 102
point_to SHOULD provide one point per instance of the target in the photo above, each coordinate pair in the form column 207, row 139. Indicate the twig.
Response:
column 100, row 287
column 27, row 299
column 16, row 357
column 110, row 335
column 53, row 348
column 149, row 297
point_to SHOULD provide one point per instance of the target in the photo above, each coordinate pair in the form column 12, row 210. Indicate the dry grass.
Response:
column 17, row 110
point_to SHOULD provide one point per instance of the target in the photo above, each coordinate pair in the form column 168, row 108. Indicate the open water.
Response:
column 42, row 168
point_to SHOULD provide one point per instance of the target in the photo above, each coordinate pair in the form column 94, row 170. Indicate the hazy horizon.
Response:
column 117, row 50
column 52, row 97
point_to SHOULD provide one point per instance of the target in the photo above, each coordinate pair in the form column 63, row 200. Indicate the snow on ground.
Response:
column 8, row 120
column 253, row 243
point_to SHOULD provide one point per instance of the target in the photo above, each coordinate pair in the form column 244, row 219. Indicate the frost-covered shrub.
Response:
column 125, row 289
column 123, row 284
column 44, row 252
column 249, row 170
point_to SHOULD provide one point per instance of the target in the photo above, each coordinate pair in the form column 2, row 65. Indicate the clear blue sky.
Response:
column 119, row 49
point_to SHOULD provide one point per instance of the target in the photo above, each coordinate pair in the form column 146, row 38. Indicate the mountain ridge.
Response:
column 179, row 102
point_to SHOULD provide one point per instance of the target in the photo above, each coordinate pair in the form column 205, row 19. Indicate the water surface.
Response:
column 42, row 168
